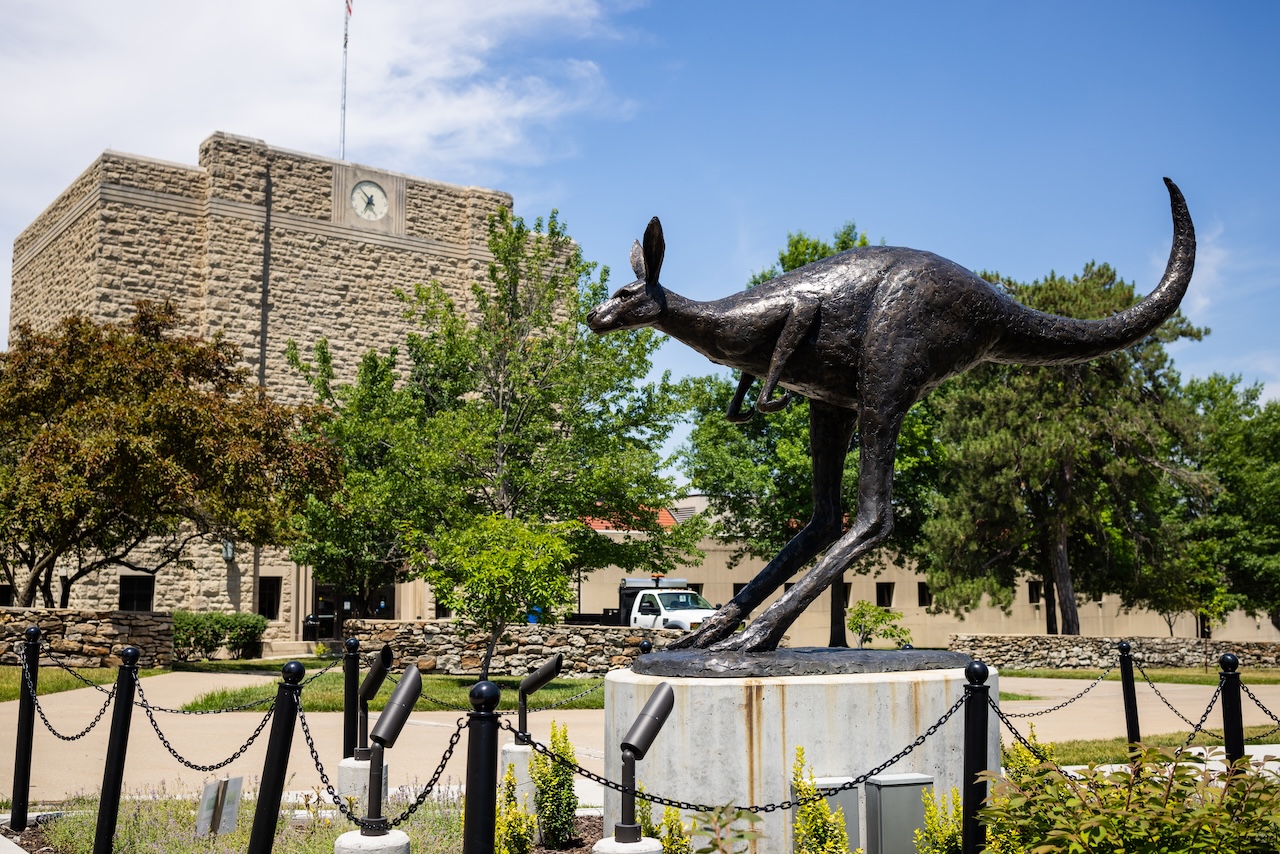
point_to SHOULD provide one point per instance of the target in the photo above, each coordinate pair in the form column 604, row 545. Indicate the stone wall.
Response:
column 89, row 638
column 447, row 647
column 1024, row 652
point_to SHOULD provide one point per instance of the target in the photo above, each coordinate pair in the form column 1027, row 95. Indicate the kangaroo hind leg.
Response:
column 878, row 436
column 799, row 320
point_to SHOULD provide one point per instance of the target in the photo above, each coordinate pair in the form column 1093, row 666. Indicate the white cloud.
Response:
column 1214, row 263
column 432, row 87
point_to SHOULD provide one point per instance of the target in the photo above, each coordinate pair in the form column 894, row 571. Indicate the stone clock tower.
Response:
column 264, row 246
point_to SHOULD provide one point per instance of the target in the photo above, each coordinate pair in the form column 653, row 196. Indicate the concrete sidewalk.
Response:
column 60, row 769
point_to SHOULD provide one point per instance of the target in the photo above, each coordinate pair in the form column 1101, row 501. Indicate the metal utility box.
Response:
column 895, row 810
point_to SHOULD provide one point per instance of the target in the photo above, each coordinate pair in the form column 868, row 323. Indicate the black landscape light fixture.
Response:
column 634, row 746
column 385, row 732
column 368, row 690
column 549, row 670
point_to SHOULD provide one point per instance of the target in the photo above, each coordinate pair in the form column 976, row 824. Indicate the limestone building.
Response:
column 262, row 245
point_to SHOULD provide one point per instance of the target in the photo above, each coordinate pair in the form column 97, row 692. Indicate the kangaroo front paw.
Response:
column 777, row 404
column 735, row 415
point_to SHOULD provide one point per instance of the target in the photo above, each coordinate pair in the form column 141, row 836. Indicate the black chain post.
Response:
column 350, row 696
column 276, row 765
column 1130, row 697
column 117, row 745
column 976, row 696
column 479, row 817
column 1232, row 717
column 26, row 729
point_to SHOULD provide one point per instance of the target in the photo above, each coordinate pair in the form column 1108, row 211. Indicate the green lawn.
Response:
column 53, row 680
column 439, row 693
column 1182, row 675
column 1111, row 750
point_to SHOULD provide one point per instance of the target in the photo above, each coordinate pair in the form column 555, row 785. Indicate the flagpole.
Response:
column 342, row 132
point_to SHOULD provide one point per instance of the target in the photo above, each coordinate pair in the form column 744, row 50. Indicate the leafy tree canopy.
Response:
column 125, row 443
column 1060, row 473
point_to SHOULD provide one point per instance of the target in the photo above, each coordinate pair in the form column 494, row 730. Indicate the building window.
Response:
column 6, row 596
column 696, row 588
column 924, row 596
column 137, row 592
column 442, row 613
column 1096, row 597
column 846, row 590
column 1035, row 590
column 738, row 587
column 269, row 589
column 884, row 594
column 787, row 585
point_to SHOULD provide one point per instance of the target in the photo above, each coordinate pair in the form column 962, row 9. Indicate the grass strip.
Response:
column 439, row 693
column 54, row 680
column 1104, row 751
column 1179, row 675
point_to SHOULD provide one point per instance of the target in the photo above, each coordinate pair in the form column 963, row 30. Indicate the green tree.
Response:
column 868, row 622
column 758, row 476
column 498, row 571
column 533, row 418
column 123, row 444
column 353, row 537
column 1060, row 473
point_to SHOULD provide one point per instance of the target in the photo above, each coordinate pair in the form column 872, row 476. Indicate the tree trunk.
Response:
column 1050, row 604
column 488, row 651
column 838, row 613
column 1062, row 580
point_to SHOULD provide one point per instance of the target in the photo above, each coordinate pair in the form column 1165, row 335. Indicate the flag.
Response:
column 348, row 8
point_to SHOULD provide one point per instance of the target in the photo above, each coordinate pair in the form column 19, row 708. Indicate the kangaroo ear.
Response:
column 654, row 248
column 637, row 260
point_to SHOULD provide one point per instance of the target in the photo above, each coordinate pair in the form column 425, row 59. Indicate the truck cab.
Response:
column 660, row 604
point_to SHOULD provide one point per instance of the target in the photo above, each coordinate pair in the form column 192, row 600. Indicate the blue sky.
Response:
column 1017, row 137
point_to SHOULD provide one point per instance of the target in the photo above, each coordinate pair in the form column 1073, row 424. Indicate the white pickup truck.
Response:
column 662, row 607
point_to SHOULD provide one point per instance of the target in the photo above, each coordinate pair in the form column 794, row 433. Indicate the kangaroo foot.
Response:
column 737, row 415
column 777, row 404
column 720, row 624
column 759, row 636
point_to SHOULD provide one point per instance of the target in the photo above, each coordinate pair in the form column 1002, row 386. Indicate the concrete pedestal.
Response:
column 353, row 782
column 518, row 756
column 353, row 842
column 646, row 845
column 734, row 739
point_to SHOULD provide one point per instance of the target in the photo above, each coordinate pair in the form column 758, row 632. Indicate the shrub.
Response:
column 244, row 634
column 644, row 815
column 197, row 635
column 942, row 832
column 868, row 622
column 514, row 827
column 817, row 829
column 553, row 795
column 1155, row 804
column 723, row 831
column 675, row 839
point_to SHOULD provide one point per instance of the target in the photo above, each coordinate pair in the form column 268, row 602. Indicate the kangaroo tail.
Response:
column 1035, row 338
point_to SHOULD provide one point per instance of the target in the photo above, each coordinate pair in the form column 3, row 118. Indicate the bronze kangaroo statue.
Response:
column 863, row 334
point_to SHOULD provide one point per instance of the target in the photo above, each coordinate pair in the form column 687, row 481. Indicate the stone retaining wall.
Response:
column 446, row 647
column 1023, row 652
column 89, row 638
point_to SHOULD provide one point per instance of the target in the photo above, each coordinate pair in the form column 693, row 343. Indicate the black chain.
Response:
column 243, row 707
column 111, row 695
column 193, row 766
column 1265, row 711
column 767, row 808
column 320, row 673
column 1195, row 727
column 378, row 824
column 1035, row 750
column 1064, row 703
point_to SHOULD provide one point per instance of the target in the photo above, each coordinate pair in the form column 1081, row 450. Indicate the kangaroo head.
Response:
column 643, row 301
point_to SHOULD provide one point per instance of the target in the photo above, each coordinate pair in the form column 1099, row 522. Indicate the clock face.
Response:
column 369, row 200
